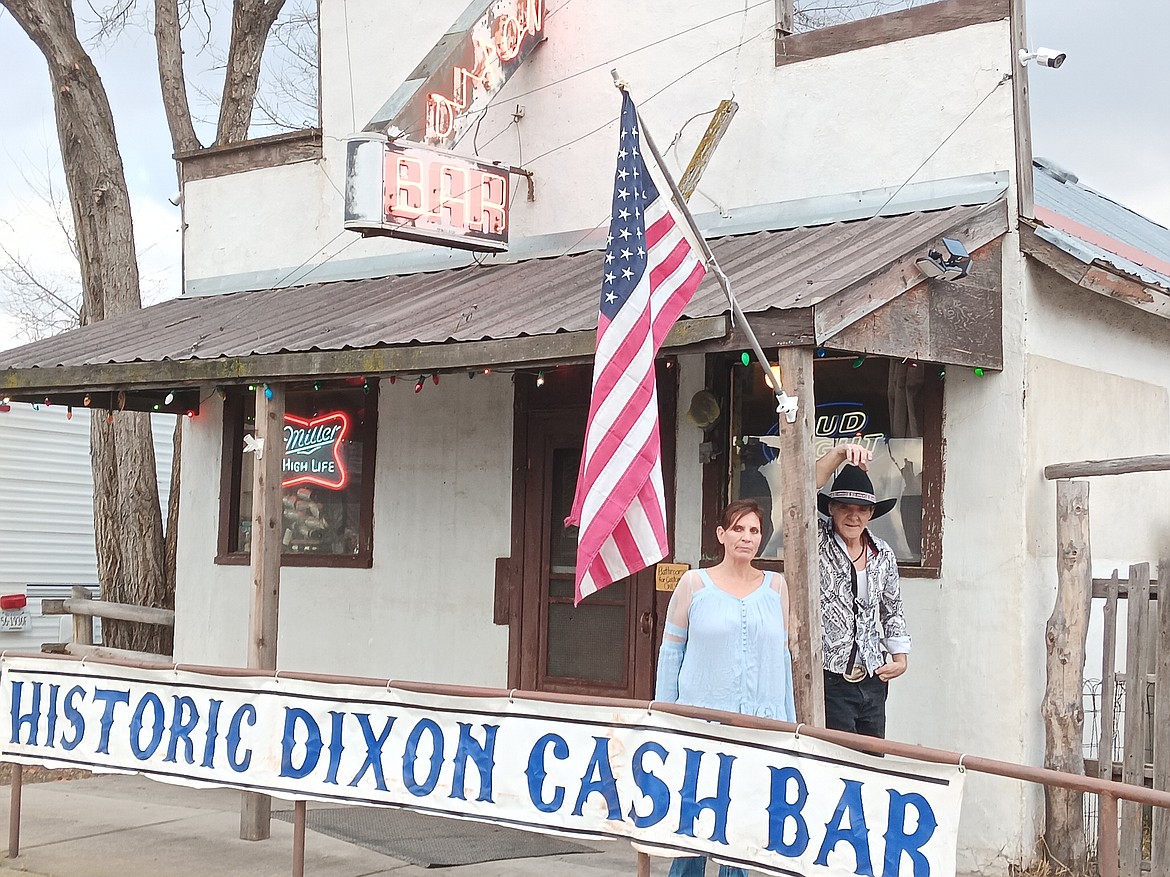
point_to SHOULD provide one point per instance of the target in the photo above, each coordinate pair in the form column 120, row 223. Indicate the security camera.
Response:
column 176, row 198
column 1045, row 57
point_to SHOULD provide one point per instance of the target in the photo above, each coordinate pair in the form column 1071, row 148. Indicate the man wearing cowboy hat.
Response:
column 861, row 600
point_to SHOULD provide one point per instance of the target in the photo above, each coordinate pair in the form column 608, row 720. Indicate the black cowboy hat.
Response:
column 852, row 486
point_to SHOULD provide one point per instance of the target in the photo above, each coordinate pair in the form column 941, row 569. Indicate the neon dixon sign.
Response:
column 500, row 41
column 473, row 60
column 313, row 451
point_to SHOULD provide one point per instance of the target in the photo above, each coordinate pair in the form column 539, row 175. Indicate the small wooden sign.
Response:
column 666, row 575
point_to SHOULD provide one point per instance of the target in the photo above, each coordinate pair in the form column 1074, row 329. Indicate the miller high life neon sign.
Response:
column 313, row 451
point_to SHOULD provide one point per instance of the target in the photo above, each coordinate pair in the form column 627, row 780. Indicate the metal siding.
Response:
column 793, row 268
column 46, row 494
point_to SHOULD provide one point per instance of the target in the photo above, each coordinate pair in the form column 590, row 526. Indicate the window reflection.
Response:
column 875, row 402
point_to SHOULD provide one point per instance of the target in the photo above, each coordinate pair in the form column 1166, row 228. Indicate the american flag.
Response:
column 652, row 268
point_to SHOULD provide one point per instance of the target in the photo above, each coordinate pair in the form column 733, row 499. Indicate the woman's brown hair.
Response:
column 737, row 510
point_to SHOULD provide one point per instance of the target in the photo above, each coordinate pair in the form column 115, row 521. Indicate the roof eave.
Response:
column 527, row 351
column 1095, row 276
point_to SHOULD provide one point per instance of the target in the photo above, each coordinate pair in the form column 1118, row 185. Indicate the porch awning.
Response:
column 814, row 282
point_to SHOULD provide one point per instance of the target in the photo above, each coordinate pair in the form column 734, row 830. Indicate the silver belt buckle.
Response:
column 856, row 674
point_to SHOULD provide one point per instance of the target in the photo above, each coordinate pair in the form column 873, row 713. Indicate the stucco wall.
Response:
column 423, row 611
column 858, row 120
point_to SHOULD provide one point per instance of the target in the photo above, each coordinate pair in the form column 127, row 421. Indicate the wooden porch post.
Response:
column 1063, row 711
column 798, row 502
column 267, row 531
column 1160, row 847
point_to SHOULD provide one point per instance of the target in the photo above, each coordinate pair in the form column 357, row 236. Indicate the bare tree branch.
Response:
column 251, row 22
column 168, row 42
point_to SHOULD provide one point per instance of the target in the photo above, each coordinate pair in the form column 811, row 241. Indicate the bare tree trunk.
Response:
column 251, row 22
column 168, row 41
column 171, row 540
column 127, row 517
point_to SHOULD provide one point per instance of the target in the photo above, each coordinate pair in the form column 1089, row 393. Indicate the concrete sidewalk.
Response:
column 129, row 826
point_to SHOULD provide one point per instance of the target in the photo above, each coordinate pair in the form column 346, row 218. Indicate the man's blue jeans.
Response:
column 694, row 866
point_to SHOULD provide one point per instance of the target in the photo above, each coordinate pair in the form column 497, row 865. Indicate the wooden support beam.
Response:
column 799, row 516
column 267, row 532
column 105, row 653
column 1062, row 709
column 877, row 30
column 82, row 625
column 1160, row 847
column 1118, row 466
column 1108, row 684
column 1022, row 115
column 716, row 128
column 1136, row 723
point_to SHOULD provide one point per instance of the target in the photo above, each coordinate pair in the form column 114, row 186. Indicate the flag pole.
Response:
column 786, row 403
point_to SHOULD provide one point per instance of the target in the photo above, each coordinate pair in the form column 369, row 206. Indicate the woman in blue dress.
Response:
column 725, row 645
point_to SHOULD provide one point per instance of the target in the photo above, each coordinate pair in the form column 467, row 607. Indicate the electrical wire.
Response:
column 621, row 57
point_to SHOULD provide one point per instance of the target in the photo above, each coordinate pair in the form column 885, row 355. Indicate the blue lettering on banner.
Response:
column 111, row 698
column 718, row 803
column 374, row 743
column 484, row 756
column 409, row 776
column 76, row 719
column 855, row 834
column 212, row 733
column 32, row 718
column 292, row 717
column 599, row 778
column 51, row 717
column 239, row 765
column 336, row 746
column 613, row 775
column 536, row 772
column 650, row 786
column 898, row 842
column 184, row 720
column 158, row 726
column 781, row 811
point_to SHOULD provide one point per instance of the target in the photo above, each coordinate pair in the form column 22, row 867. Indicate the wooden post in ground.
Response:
column 267, row 533
column 14, row 811
column 299, row 819
column 799, row 516
column 1160, row 840
column 82, row 624
column 1133, row 759
column 1062, row 708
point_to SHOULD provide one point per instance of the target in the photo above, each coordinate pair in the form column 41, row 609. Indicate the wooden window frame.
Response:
column 716, row 474
column 231, row 471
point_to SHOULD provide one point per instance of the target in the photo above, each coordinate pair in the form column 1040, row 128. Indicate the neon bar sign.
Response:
column 500, row 41
column 313, row 451
column 473, row 60
column 428, row 195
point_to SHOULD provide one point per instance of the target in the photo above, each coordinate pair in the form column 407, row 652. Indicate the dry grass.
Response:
column 34, row 774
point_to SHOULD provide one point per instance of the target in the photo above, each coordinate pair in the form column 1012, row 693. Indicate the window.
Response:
column 891, row 406
column 328, row 485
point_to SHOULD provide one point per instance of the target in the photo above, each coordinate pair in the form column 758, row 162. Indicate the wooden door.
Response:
column 606, row 646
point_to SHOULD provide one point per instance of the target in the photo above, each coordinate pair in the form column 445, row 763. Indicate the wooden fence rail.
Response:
column 85, row 609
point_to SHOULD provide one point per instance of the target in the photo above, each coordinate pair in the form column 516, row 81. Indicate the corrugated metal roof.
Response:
column 1098, row 228
column 795, row 268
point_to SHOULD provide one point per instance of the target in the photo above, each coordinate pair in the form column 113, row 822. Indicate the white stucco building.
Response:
column 854, row 151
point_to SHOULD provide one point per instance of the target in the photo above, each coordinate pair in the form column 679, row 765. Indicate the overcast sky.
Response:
column 1104, row 115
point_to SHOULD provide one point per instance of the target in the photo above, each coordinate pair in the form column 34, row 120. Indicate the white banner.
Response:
column 767, row 800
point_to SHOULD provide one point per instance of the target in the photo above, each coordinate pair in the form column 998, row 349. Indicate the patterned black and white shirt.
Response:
column 880, row 622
